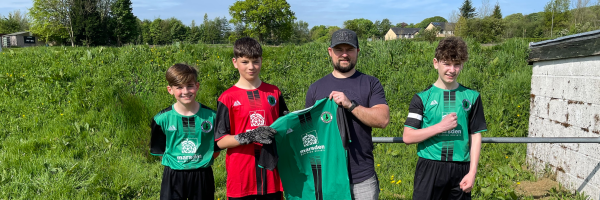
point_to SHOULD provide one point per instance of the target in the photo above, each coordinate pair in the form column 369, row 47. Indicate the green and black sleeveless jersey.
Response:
column 311, row 145
column 184, row 142
column 430, row 106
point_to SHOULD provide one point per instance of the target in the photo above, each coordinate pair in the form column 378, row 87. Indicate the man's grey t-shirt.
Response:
column 366, row 91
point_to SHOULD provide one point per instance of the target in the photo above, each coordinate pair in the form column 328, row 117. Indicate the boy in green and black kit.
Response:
column 183, row 135
column 446, row 120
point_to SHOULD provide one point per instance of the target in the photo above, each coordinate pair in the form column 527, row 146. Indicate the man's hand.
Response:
column 340, row 99
column 449, row 122
column 467, row 182
column 261, row 135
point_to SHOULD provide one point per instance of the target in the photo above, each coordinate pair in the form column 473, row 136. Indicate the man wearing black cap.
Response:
column 363, row 98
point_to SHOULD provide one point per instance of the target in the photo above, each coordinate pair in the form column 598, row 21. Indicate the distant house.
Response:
column 20, row 39
column 401, row 33
column 446, row 29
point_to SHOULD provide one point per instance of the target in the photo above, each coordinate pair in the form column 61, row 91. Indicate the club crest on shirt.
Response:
column 466, row 104
column 257, row 118
column 188, row 146
column 272, row 100
column 206, row 126
column 326, row 117
column 310, row 138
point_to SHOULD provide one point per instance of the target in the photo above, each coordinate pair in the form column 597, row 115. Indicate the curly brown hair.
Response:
column 452, row 49
column 180, row 74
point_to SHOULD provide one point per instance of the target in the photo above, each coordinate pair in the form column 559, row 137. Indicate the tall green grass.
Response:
column 75, row 121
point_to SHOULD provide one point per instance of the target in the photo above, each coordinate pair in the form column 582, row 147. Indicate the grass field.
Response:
column 75, row 121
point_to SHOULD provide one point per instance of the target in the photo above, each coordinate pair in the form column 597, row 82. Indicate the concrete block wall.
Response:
column 565, row 102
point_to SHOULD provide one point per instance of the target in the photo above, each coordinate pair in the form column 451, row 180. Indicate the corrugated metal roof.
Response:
column 586, row 35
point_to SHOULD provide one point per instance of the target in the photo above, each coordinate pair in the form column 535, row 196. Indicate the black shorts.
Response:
column 440, row 180
column 187, row 184
column 272, row 196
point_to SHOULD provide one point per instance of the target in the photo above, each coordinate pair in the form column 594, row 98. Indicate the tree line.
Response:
column 111, row 22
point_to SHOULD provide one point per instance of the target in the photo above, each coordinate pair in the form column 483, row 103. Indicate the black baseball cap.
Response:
column 344, row 36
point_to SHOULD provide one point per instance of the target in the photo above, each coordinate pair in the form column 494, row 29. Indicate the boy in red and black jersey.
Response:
column 247, row 105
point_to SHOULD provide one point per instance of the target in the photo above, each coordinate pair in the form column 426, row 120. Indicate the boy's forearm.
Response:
column 413, row 136
column 475, row 152
column 228, row 141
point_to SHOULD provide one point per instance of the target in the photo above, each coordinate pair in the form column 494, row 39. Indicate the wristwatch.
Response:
column 354, row 104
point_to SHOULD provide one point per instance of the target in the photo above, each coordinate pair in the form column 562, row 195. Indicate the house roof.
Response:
column 572, row 46
column 405, row 31
column 444, row 25
column 18, row 33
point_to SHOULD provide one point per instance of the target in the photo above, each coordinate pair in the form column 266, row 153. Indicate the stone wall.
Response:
column 565, row 102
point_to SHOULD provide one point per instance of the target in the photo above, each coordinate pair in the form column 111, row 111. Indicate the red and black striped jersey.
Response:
column 238, row 111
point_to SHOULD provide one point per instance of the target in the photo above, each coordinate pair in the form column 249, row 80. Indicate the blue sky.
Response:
column 315, row 12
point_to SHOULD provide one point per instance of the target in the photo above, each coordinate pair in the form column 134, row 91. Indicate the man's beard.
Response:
column 338, row 67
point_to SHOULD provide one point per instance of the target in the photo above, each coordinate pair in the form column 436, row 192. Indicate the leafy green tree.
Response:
column 156, row 32
column 515, row 25
column 383, row 27
column 125, row 24
column 486, row 30
column 467, row 10
column 178, row 31
column 85, row 20
column 9, row 25
column 14, row 22
column 426, row 21
column 51, row 20
column 497, row 13
column 364, row 28
column 266, row 19
column 428, row 35
column 402, row 25
column 239, row 31
column 214, row 31
column 462, row 27
column 301, row 32
column 194, row 34
column 556, row 15
column 322, row 33
column 317, row 32
column 146, row 37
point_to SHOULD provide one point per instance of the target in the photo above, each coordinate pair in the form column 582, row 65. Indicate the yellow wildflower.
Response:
column 393, row 181
column 61, row 114
column 23, row 115
column 518, row 115
column 518, row 183
column 378, row 165
column 506, row 156
column 398, row 182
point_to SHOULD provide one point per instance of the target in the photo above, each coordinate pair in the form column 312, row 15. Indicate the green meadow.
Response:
column 75, row 121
